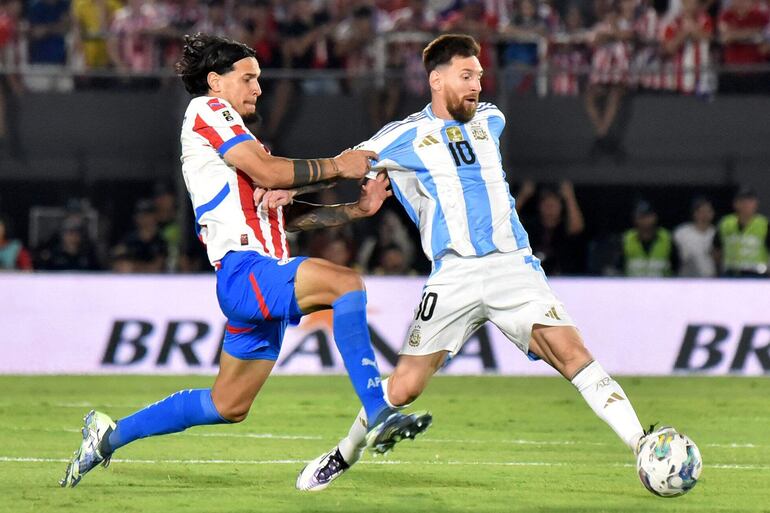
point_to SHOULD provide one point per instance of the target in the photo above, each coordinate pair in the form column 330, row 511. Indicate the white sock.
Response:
column 609, row 402
column 353, row 445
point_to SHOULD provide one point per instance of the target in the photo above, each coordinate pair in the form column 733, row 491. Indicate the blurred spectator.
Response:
column 393, row 262
column 473, row 19
column 49, row 25
column 610, row 66
column 524, row 32
column 354, row 38
column 568, row 55
column 744, row 239
column 741, row 31
column 556, row 233
column 695, row 242
column 13, row 255
column 306, row 42
column 91, row 24
column 164, row 204
column 144, row 249
column 120, row 260
column 336, row 247
column 70, row 250
column 686, row 49
column 389, row 231
column 647, row 248
column 218, row 19
column 182, row 16
column 133, row 40
column 262, row 32
column 10, row 59
column 179, row 17
column 646, row 63
column 355, row 47
column 406, row 57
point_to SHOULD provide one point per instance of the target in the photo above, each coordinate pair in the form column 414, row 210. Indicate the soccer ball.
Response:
column 669, row 463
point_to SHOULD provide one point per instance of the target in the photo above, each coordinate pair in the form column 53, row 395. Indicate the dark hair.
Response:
column 699, row 201
column 443, row 48
column 204, row 53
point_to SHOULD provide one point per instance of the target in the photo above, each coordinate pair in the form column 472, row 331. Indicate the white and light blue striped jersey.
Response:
column 450, row 179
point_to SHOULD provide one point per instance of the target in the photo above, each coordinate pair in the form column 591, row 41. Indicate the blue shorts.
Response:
column 256, row 294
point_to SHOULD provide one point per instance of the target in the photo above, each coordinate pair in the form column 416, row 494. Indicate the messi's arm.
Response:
column 271, row 172
column 303, row 216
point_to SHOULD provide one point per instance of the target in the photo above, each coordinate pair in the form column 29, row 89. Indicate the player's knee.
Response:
column 347, row 281
column 403, row 392
column 573, row 358
column 234, row 413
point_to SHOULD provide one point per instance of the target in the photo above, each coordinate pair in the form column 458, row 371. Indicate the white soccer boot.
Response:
column 96, row 426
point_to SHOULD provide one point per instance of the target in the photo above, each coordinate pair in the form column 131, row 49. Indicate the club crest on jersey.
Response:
column 478, row 133
column 215, row 104
column 244, row 239
column 454, row 134
column 227, row 115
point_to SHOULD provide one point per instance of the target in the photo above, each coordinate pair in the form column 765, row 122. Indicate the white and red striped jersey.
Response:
column 222, row 195
column 567, row 61
column 611, row 61
column 646, row 65
column 688, row 70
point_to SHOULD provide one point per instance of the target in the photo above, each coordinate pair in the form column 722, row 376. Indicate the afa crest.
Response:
column 479, row 133
column 414, row 336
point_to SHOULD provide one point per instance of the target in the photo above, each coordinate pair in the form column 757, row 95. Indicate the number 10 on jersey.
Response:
column 462, row 153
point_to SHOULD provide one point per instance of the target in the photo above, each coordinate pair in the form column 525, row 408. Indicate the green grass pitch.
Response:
column 497, row 444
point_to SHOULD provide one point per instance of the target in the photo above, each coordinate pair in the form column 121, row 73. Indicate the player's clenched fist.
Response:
column 354, row 163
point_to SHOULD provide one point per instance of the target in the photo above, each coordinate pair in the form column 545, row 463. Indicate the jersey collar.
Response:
column 428, row 110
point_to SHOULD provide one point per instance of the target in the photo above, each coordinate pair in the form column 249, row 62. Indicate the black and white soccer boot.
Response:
column 395, row 427
column 319, row 473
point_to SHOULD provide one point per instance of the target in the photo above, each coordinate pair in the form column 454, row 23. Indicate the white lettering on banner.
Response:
column 52, row 323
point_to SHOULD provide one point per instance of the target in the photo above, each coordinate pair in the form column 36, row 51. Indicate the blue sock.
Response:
column 175, row 413
column 351, row 335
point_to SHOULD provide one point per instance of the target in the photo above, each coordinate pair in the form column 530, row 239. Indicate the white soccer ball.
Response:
column 668, row 463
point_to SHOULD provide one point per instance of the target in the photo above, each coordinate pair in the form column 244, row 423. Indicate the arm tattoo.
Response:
column 310, row 217
column 315, row 187
column 311, row 171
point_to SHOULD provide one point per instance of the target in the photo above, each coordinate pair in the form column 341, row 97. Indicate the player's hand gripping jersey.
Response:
column 450, row 179
column 222, row 196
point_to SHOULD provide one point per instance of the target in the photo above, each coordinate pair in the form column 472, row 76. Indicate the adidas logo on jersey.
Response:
column 427, row 141
column 551, row 314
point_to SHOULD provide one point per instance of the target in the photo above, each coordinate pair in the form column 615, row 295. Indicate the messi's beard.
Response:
column 459, row 111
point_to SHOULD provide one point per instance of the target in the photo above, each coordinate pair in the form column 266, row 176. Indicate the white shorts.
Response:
column 508, row 289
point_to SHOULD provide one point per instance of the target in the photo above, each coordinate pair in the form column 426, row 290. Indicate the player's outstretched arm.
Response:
column 307, row 216
column 271, row 172
column 274, row 198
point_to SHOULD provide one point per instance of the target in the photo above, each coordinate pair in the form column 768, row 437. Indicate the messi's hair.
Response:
column 204, row 53
column 443, row 48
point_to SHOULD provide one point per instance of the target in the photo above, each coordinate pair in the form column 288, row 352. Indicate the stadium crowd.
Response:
column 601, row 49
column 735, row 244
column 652, row 44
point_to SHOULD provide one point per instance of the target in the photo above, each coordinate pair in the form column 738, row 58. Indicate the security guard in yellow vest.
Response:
column 743, row 238
column 648, row 250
